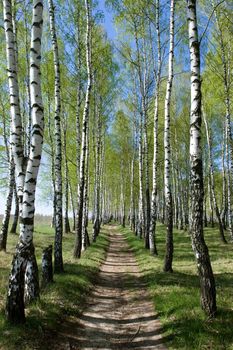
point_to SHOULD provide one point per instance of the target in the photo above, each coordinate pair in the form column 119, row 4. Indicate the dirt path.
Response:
column 119, row 314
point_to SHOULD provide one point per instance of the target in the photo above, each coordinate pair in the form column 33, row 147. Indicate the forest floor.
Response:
column 119, row 313
column 64, row 298
column 106, row 299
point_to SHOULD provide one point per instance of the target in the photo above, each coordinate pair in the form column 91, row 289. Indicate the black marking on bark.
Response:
column 26, row 221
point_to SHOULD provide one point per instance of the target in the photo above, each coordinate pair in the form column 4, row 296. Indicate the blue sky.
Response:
column 108, row 20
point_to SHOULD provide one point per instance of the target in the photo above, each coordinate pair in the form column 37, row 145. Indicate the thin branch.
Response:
column 215, row 7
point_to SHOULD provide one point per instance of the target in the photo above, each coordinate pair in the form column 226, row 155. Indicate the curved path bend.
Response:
column 119, row 313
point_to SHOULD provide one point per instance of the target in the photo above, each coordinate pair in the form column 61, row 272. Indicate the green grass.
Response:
column 176, row 296
column 66, row 296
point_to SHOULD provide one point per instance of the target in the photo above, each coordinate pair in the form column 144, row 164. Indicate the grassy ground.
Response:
column 65, row 296
column 176, row 296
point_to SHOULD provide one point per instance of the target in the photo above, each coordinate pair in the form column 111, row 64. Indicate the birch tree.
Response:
column 66, row 178
column 167, row 150
column 23, row 279
column 6, row 217
column 58, row 259
column 81, row 186
column 16, row 212
column 226, row 78
column 207, row 282
column 153, row 248
column 10, row 187
column 212, row 182
column 96, row 226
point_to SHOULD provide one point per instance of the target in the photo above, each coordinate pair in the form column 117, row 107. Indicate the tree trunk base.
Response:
column 47, row 266
column 21, row 273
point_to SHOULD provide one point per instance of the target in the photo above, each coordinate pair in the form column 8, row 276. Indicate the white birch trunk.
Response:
column 23, row 280
column 224, row 182
column 72, row 205
column 78, row 111
column 81, row 186
column 7, row 212
column 132, row 200
column 207, row 282
column 16, row 213
column 66, row 178
column 85, row 236
column 141, row 210
column 96, row 226
column 10, row 190
column 16, row 123
column 153, row 249
column 58, row 259
column 167, row 150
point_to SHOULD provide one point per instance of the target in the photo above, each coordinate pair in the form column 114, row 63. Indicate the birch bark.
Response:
column 152, row 243
column 167, row 151
column 81, row 186
column 10, row 188
column 207, row 282
column 96, row 226
column 23, row 280
column 16, row 213
column 58, row 259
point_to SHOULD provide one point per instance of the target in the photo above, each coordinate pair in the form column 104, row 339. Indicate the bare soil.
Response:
column 119, row 314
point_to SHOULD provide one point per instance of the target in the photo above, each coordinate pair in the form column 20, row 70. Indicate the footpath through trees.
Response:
column 119, row 313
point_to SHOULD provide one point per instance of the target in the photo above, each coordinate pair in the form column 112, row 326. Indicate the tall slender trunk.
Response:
column 141, row 211
column 79, row 102
column 229, row 146
column 147, row 185
column 212, row 182
column 152, row 243
column 207, row 282
column 96, row 226
column 132, row 201
column 58, row 259
column 102, row 179
column 51, row 139
column 81, row 186
column 72, row 205
column 10, row 189
column 224, row 182
column 175, row 192
column 66, row 178
column 16, row 213
column 9, row 156
column 122, row 198
column 7, row 213
column 16, row 122
column 167, row 151
column 180, row 216
column 85, row 236
column 23, row 280
column 229, row 174
column 141, row 215
column 144, row 89
column 211, row 209
column 29, row 122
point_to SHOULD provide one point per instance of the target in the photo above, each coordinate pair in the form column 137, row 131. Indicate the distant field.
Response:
column 39, row 219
